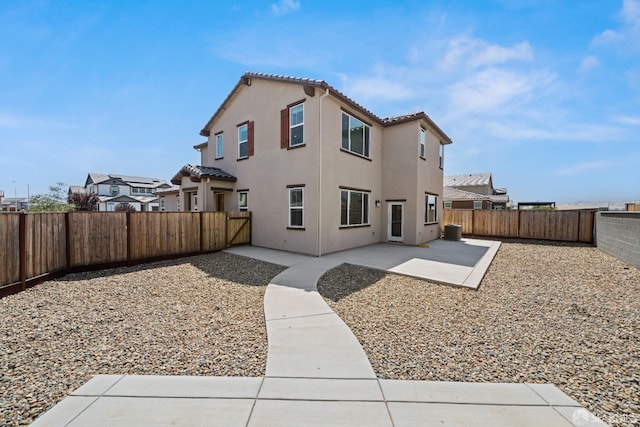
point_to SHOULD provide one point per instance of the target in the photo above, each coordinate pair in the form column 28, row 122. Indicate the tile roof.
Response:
column 169, row 190
column 499, row 198
column 321, row 84
column 200, row 172
column 450, row 193
column 77, row 189
column 139, row 181
column 470, row 179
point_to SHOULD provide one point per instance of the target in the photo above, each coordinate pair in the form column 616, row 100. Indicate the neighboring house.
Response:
column 1, row 196
column 12, row 204
column 115, row 189
column 473, row 191
column 319, row 172
column 169, row 199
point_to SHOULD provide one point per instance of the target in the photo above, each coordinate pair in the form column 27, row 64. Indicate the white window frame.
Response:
column 243, row 142
column 441, row 156
column 243, row 207
column 365, row 208
column 114, row 190
column 220, row 146
column 366, row 136
column 295, row 125
column 423, row 143
column 296, row 208
column 430, row 207
column 447, row 205
column 477, row 204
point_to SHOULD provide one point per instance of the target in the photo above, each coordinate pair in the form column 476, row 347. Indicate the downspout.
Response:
column 326, row 93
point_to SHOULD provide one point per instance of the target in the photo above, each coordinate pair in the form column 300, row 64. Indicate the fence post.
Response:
column 226, row 232
column 128, row 214
column 201, row 231
column 22, row 243
column 67, row 238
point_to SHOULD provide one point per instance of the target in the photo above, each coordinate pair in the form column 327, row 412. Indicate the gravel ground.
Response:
column 544, row 313
column 195, row 316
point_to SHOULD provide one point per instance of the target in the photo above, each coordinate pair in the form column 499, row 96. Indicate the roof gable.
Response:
column 468, row 180
column 199, row 172
column 309, row 86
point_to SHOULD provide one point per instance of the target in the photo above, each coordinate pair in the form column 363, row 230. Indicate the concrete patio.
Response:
column 317, row 373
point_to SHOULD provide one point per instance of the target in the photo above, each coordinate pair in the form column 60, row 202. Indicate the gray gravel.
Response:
column 196, row 316
column 545, row 313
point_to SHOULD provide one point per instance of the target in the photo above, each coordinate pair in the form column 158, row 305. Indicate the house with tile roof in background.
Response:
column 473, row 191
column 113, row 189
column 319, row 172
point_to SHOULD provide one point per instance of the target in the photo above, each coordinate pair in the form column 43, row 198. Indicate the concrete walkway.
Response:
column 317, row 373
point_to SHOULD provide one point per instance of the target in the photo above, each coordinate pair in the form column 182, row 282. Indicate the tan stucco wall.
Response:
column 340, row 168
column 271, row 169
column 170, row 202
column 407, row 176
column 394, row 171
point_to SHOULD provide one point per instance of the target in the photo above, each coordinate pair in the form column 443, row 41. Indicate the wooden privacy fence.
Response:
column 570, row 226
column 39, row 246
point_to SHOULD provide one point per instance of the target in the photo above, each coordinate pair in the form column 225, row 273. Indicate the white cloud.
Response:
column 628, row 120
column 15, row 121
column 627, row 37
column 470, row 53
column 589, row 62
column 580, row 168
column 490, row 89
column 545, row 130
column 285, row 6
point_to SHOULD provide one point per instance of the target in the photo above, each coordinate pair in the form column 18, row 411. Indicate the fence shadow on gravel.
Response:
column 347, row 279
column 245, row 271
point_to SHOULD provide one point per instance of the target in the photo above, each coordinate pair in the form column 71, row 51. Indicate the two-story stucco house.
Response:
column 319, row 172
column 112, row 189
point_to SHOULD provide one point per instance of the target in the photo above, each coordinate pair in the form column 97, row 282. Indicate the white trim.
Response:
column 243, row 141
column 292, row 126
column 219, row 147
column 244, row 208
column 300, row 208
column 390, row 236
column 426, row 208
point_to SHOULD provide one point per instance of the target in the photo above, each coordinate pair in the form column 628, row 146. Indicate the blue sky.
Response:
column 544, row 94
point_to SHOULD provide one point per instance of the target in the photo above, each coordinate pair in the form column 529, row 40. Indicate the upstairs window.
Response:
column 441, row 157
column 296, row 125
column 219, row 146
column 355, row 135
column 292, row 125
column 477, row 204
column 243, row 141
column 431, row 211
column 354, row 208
column 115, row 190
column 296, row 207
column 423, row 142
